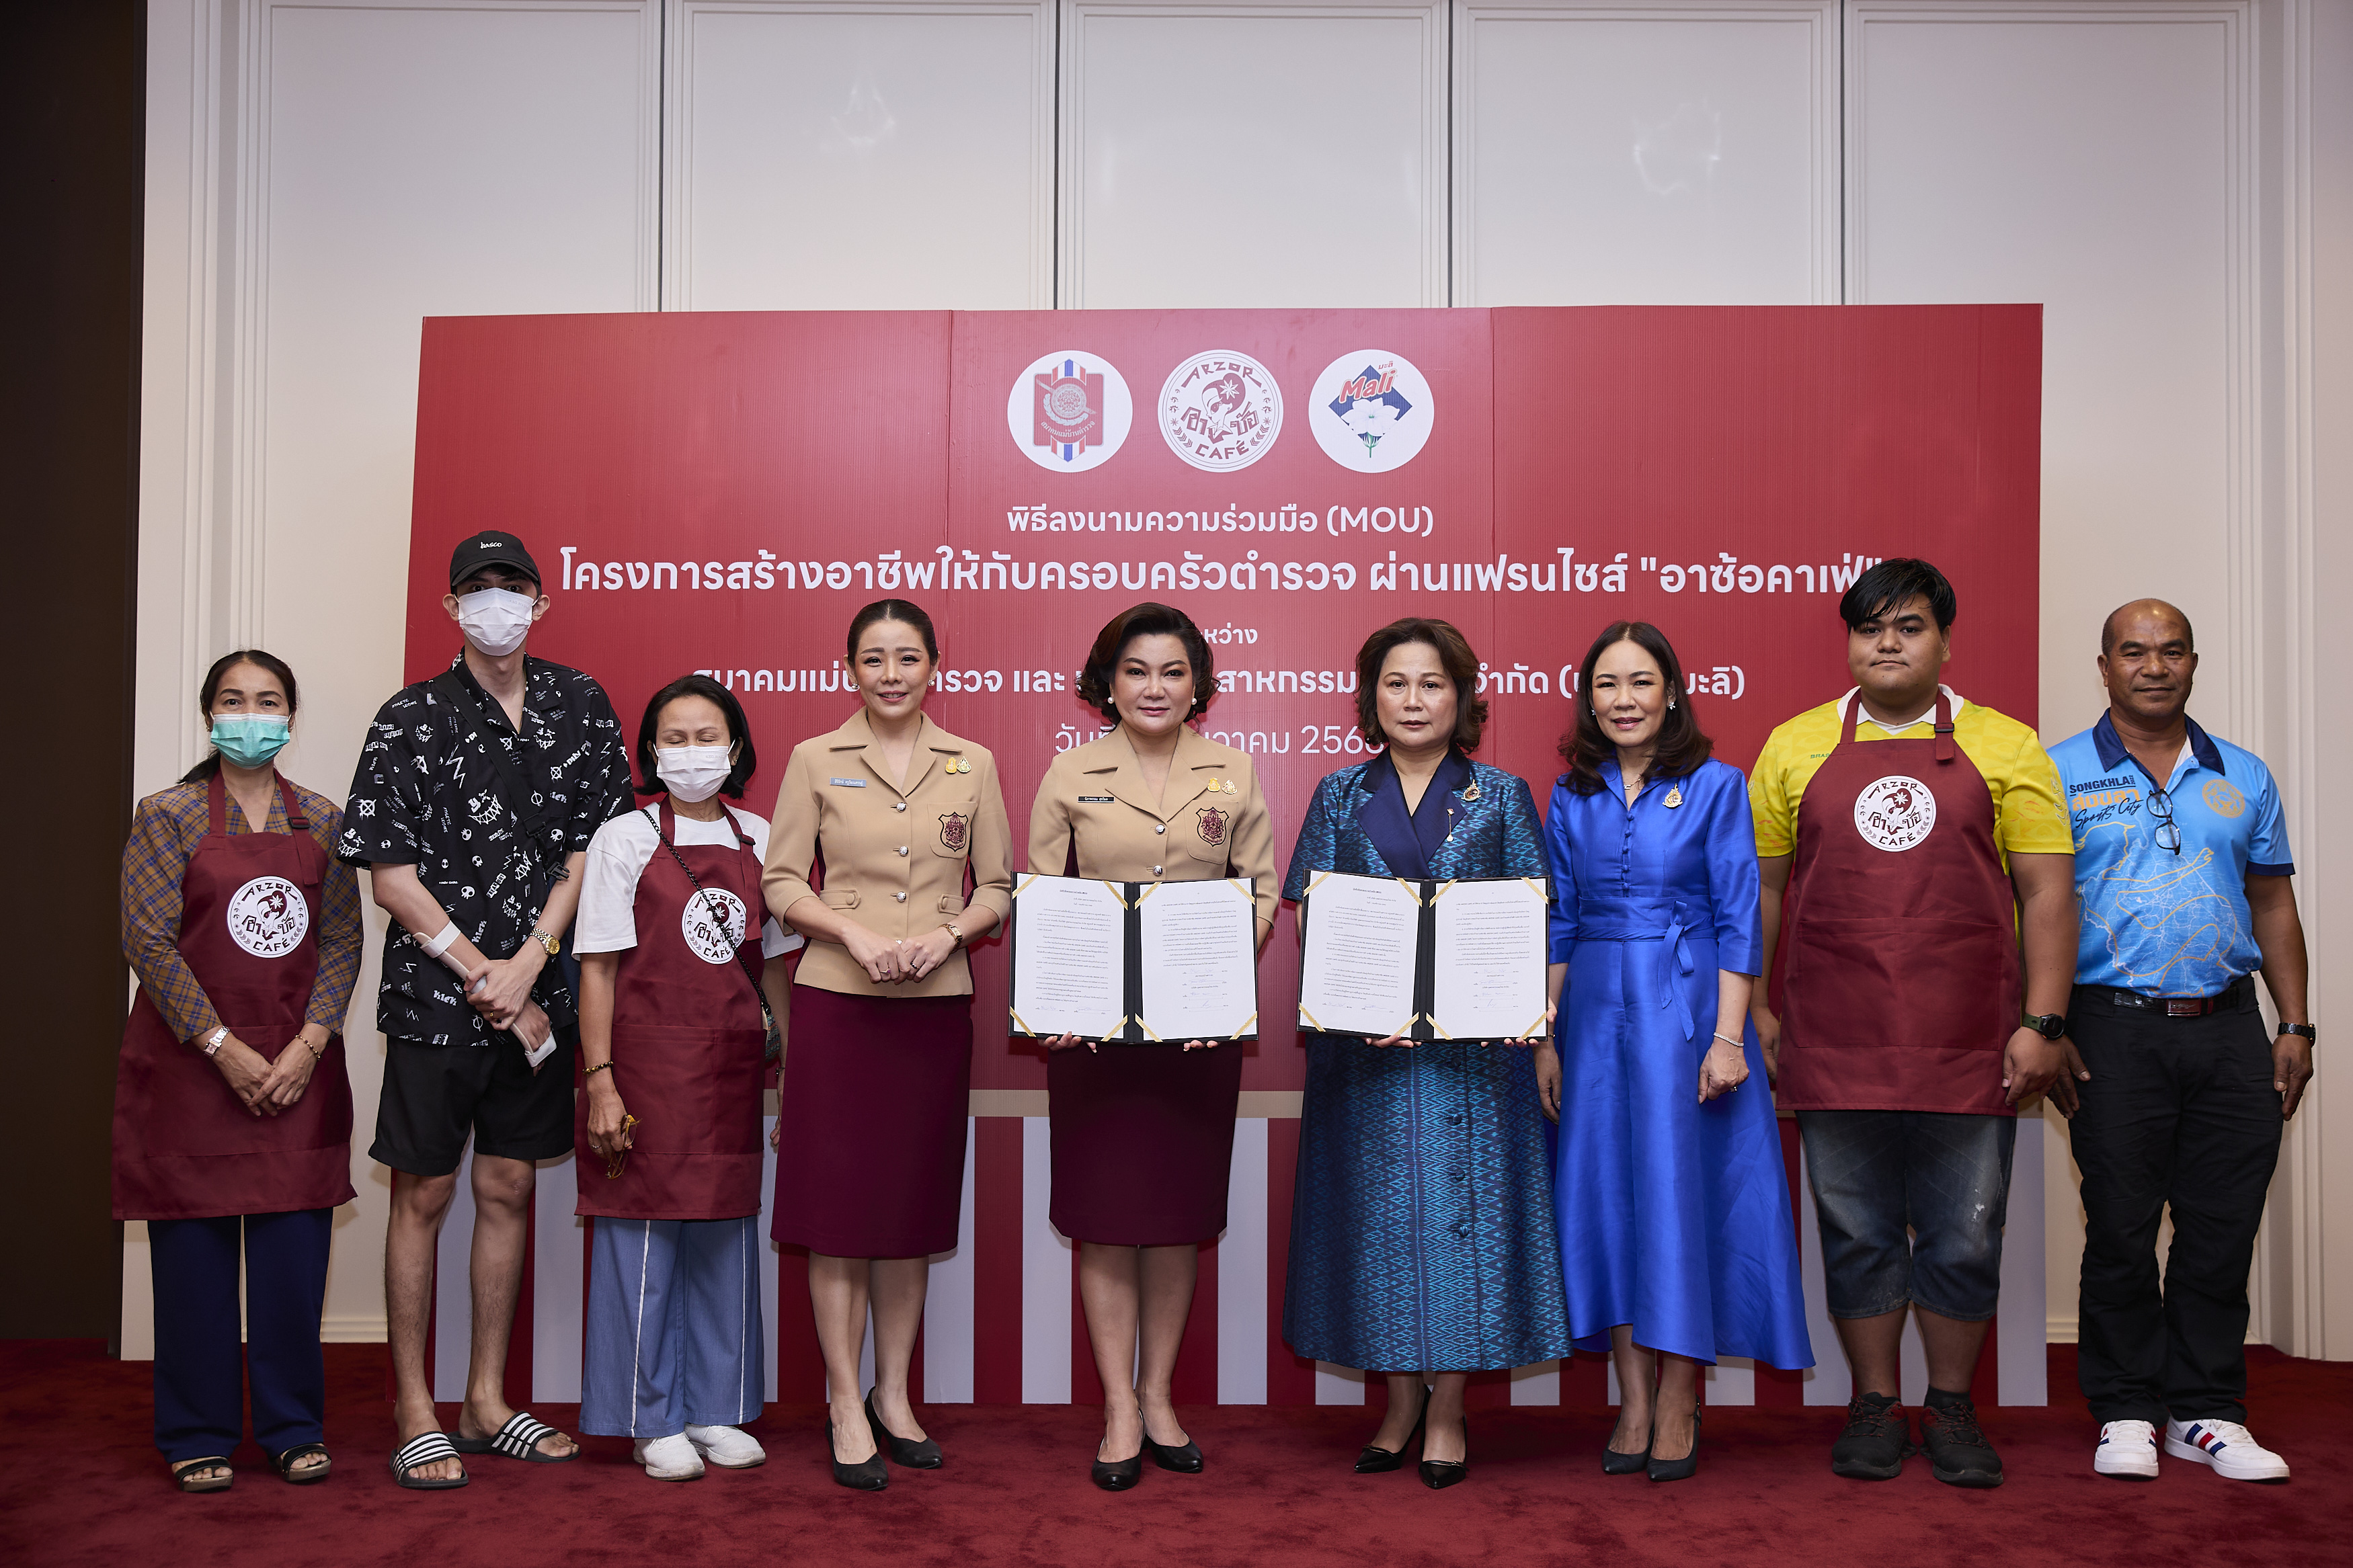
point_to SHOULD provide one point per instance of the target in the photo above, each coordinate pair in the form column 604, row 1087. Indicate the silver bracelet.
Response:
column 1728, row 1041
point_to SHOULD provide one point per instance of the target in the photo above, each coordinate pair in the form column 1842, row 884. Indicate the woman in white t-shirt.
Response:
column 682, row 986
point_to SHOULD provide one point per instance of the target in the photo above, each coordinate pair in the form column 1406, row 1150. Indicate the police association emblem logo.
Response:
column 956, row 831
column 1211, row 824
column 1895, row 813
column 2223, row 798
column 1371, row 411
column 706, row 938
column 1220, row 411
column 268, row 917
column 1069, row 410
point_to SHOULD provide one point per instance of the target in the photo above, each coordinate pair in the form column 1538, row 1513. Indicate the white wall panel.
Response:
column 1646, row 154
column 1275, row 154
column 829, row 155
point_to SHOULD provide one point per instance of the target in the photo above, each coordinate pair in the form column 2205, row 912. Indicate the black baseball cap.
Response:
column 491, row 548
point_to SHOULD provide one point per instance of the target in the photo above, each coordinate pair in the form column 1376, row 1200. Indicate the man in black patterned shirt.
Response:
column 473, row 806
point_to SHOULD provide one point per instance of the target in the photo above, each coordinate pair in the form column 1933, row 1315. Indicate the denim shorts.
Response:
column 1912, row 1204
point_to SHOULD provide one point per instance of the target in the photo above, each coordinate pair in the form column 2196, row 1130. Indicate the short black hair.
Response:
column 739, row 734
column 1454, row 654
column 898, row 610
column 1145, row 620
column 1886, row 584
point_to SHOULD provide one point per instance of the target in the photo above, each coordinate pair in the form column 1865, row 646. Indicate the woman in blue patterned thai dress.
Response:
column 1675, row 1236
column 1421, row 1227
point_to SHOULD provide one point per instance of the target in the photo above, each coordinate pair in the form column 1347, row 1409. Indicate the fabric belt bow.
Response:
column 1674, row 958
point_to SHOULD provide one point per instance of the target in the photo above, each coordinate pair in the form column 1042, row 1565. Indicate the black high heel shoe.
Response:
column 866, row 1476
column 1681, row 1470
column 903, row 1451
column 1118, row 1475
column 1185, row 1458
column 1372, row 1460
column 1614, row 1463
column 1439, row 1473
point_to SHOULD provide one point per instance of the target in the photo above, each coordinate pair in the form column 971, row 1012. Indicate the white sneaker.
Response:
column 2127, row 1450
column 729, row 1448
column 670, row 1458
column 2230, row 1448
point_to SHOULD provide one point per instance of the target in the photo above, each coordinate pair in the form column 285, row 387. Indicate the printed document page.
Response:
column 1491, row 961
column 1067, row 951
column 1356, row 971
column 1201, row 960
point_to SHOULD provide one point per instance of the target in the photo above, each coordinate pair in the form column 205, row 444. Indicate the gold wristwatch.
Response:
column 956, row 932
column 547, row 942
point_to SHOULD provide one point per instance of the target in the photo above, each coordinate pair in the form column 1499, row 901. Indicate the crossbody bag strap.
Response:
column 749, row 937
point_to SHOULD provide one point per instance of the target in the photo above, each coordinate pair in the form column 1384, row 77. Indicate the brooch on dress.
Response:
column 1675, row 796
column 1470, row 792
column 961, row 765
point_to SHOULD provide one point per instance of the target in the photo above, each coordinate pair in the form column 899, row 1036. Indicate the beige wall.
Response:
column 2169, row 177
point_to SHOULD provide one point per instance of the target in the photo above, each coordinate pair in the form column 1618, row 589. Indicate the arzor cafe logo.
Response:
column 711, row 941
column 1895, row 813
column 1220, row 411
column 268, row 917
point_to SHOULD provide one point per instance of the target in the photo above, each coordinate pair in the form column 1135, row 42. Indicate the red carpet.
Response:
column 84, row 1486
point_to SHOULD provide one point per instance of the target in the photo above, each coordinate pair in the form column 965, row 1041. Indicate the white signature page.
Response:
column 1067, row 941
column 1201, row 960
column 1491, row 961
column 1355, row 968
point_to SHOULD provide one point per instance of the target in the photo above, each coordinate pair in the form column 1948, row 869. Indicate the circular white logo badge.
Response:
column 1220, row 411
column 703, row 932
column 1370, row 410
column 1069, row 410
column 1895, row 813
column 268, row 917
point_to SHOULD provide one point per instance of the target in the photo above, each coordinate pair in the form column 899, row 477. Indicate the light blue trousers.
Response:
column 674, row 1329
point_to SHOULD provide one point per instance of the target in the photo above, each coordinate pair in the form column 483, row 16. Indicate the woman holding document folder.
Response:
column 1421, row 1226
column 1675, row 1237
column 1144, row 1134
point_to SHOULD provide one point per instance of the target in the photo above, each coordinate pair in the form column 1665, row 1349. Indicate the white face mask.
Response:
column 692, row 773
column 495, row 620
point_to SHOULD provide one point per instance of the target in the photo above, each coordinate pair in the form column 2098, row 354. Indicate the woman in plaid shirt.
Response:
column 232, row 1112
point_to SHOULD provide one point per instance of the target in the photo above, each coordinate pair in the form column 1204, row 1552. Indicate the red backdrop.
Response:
column 721, row 492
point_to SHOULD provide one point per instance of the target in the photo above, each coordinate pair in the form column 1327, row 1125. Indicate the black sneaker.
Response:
column 1877, row 1437
column 1958, row 1451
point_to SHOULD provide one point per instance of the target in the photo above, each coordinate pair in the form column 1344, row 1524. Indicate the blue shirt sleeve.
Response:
column 1523, row 850
column 1732, row 889
column 2267, row 851
column 1313, row 851
column 1562, row 919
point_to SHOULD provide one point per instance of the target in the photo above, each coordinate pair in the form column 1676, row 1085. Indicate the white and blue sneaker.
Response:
column 2128, row 1450
column 2228, row 1447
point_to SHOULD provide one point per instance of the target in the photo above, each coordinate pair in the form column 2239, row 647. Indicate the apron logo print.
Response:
column 954, row 829
column 269, row 917
column 1212, row 825
column 1895, row 813
column 703, row 935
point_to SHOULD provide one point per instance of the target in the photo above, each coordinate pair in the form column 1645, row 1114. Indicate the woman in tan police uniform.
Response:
column 1143, row 1135
column 876, row 1083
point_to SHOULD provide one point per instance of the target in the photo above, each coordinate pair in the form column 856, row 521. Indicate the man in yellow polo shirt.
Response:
column 1906, row 840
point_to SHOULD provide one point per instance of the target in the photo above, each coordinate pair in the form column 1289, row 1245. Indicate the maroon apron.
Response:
column 185, row 1145
column 1900, row 980
column 688, row 1042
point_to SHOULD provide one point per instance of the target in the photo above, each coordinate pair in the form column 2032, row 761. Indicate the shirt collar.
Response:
column 1854, row 698
column 2111, row 746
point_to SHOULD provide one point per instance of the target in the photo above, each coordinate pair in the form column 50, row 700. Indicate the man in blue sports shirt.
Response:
column 2182, row 862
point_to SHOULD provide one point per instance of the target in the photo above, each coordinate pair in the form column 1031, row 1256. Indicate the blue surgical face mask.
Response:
column 250, row 740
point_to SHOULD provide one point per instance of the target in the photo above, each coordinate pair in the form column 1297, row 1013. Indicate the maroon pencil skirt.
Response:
column 869, row 1156
column 1143, row 1141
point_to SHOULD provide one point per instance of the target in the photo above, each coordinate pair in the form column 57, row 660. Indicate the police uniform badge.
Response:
column 1211, row 823
column 956, row 831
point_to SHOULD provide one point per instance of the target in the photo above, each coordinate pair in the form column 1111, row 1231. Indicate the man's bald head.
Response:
column 2150, row 621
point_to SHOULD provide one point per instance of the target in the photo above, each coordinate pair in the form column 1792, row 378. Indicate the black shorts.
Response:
column 433, row 1094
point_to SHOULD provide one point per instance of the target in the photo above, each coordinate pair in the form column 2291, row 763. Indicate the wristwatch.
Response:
column 956, row 932
column 2049, row 1025
column 214, row 1041
column 547, row 942
column 2311, row 1036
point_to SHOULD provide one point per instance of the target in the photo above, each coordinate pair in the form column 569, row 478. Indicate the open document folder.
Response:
column 1428, row 961
column 1134, row 963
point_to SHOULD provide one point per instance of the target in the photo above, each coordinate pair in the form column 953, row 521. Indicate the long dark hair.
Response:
column 1145, row 620
column 739, row 734
column 211, row 689
column 1683, row 745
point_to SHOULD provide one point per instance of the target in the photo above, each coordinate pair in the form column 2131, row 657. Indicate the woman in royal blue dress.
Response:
column 1676, row 1242
column 1421, row 1226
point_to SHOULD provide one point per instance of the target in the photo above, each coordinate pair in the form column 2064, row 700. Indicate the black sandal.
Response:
column 425, row 1449
column 309, row 1475
column 183, row 1474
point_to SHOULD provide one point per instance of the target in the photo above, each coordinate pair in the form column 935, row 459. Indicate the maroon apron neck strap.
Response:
column 217, row 801
column 1853, row 711
column 295, row 821
column 1945, row 749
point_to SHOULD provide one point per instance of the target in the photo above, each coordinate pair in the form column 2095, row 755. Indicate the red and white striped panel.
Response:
column 1004, row 1327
